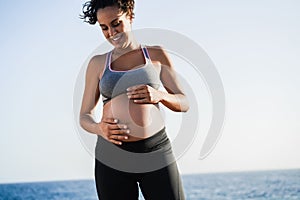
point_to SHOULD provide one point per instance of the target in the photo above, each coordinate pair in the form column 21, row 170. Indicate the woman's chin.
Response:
column 117, row 45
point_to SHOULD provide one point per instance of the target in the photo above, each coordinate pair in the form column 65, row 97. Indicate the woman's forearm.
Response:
column 88, row 124
column 175, row 102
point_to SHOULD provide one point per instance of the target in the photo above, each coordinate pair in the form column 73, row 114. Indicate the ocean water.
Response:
column 260, row 185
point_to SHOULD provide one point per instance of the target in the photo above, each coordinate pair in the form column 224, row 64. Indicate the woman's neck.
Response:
column 132, row 46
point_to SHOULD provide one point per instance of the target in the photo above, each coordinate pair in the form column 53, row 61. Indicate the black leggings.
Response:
column 161, row 184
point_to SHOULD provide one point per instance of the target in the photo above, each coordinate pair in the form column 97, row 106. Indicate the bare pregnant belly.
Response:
column 143, row 120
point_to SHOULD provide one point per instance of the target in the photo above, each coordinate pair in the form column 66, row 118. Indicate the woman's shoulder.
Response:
column 155, row 49
column 158, row 53
column 97, row 63
column 97, row 60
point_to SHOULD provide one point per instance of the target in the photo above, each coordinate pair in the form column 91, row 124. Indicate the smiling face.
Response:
column 115, row 25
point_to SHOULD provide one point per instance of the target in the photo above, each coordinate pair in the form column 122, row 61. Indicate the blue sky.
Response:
column 254, row 44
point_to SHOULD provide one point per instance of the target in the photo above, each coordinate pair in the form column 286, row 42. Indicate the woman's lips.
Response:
column 116, row 38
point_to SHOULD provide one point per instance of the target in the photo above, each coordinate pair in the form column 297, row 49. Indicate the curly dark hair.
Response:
column 91, row 7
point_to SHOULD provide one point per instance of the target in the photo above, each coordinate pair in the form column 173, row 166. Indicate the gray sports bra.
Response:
column 114, row 83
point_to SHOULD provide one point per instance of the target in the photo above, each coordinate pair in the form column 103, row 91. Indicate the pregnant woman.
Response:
column 128, row 78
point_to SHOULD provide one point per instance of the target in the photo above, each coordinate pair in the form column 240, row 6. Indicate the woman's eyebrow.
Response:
column 110, row 22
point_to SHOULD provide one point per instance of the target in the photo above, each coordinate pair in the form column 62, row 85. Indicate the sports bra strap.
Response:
column 145, row 52
column 108, row 59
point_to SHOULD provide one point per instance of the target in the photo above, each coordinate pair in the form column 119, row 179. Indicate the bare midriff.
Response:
column 143, row 120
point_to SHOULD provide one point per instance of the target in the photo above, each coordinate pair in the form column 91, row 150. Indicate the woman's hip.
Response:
column 144, row 155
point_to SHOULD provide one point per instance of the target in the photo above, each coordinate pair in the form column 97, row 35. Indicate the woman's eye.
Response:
column 115, row 24
column 104, row 28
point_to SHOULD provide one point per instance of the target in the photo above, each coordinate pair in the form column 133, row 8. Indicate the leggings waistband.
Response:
column 155, row 142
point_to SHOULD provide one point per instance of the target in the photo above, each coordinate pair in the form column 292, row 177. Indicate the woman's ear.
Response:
column 130, row 18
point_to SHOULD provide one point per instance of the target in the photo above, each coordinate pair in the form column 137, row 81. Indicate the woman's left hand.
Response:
column 144, row 94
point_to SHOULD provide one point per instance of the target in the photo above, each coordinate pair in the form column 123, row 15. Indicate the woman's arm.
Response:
column 90, row 96
column 108, row 128
column 174, row 98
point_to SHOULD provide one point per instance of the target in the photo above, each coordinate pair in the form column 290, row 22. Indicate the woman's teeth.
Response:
column 116, row 38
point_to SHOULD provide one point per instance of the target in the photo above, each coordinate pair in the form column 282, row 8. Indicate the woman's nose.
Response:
column 111, row 31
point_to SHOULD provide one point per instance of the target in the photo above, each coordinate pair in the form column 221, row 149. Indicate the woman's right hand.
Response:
column 112, row 131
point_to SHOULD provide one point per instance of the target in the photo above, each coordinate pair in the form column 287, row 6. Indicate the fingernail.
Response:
column 115, row 120
column 120, row 143
column 126, row 138
column 128, row 131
